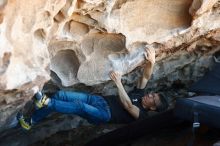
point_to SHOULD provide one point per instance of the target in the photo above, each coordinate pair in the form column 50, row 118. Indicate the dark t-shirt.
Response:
column 120, row 115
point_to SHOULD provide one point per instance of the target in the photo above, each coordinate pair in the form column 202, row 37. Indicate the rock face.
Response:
column 81, row 41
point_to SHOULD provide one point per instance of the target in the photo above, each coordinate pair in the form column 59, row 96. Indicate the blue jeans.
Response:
column 91, row 107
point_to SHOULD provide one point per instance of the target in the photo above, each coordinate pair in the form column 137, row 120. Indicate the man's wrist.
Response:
column 150, row 63
column 118, row 84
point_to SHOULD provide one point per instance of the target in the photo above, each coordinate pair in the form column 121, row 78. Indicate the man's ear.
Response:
column 153, row 108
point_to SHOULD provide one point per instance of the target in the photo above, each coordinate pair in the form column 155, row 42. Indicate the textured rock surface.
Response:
column 80, row 41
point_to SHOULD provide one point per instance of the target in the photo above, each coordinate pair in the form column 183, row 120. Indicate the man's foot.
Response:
column 25, row 123
column 40, row 100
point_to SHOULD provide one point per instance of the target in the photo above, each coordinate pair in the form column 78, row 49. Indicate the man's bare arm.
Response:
column 123, row 96
column 148, row 69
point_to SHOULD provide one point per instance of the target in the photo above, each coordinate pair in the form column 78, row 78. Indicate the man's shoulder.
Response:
column 143, row 114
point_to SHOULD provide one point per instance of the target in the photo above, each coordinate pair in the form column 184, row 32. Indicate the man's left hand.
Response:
column 115, row 76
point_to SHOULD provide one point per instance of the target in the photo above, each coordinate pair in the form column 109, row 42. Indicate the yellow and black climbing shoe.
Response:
column 40, row 100
column 25, row 123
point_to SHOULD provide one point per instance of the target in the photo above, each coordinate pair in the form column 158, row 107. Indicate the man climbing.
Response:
column 96, row 109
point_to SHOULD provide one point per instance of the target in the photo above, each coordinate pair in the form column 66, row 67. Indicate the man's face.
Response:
column 150, row 101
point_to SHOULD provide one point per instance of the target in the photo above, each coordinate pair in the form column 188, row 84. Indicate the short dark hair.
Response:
column 163, row 103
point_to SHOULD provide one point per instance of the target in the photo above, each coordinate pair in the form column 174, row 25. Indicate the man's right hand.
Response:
column 115, row 76
column 150, row 55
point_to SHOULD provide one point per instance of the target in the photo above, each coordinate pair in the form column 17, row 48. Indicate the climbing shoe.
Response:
column 40, row 100
column 25, row 123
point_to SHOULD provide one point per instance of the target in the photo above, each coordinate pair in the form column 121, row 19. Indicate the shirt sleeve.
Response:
column 140, row 91
column 137, row 92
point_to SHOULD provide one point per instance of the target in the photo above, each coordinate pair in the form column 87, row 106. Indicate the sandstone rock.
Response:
column 201, row 6
column 153, row 21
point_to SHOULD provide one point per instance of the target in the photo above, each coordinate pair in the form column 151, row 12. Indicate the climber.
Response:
column 98, row 109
